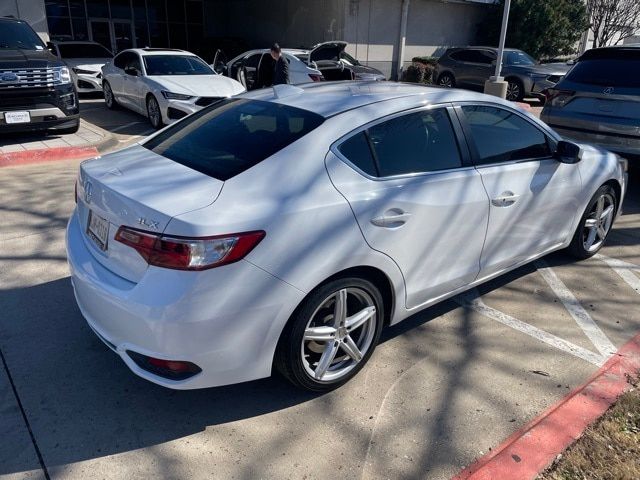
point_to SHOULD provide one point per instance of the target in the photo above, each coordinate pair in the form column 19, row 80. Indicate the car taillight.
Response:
column 189, row 253
column 558, row 98
column 316, row 78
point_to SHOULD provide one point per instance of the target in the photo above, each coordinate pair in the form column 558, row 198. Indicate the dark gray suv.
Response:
column 470, row 67
column 599, row 100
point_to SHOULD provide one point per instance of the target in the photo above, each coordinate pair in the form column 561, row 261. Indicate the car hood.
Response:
column 199, row 85
column 92, row 64
column 14, row 58
column 334, row 47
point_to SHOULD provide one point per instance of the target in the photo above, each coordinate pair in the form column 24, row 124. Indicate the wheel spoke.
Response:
column 591, row 223
column 323, row 333
column 357, row 320
column 326, row 359
column 340, row 308
column 600, row 207
column 606, row 213
column 591, row 238
column 351, row 349
column 602, row 233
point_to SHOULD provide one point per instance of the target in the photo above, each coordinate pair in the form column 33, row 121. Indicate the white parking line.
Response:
column 123, row 127
column 577, row 311
column 623, row 269
column 472, row 300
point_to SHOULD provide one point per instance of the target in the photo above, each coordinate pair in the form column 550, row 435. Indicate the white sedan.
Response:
column 163, row 84
column 85, row 60
column 287, row 227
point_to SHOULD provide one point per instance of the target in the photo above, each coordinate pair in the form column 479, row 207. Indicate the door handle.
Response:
column 392, row 218
column 505, row 199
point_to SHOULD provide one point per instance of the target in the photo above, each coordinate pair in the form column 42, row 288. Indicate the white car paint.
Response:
column 85, row 69
column 316, row 210
column 133, row 91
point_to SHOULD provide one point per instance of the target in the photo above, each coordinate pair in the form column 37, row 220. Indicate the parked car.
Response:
column 254, row 69
column 598, row 101
column 163, row 84
column 288, row 226
column 325, row 61
column 470, row 67
column 85, row 59
column 36, row 89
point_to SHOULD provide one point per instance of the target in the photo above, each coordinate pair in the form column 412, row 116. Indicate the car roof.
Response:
column 332, row 98
column 160, row 51
column 74, row 42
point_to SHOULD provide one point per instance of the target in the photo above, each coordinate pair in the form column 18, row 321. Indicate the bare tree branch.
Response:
column 613, row 19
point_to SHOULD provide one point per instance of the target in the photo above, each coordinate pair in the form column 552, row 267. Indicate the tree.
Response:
column 611, row 19
column 542, row 29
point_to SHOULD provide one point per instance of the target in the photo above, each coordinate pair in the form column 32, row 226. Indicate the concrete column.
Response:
column 403, row 38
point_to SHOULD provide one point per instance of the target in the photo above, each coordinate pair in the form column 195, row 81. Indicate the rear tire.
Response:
column 515, row 90
column 447, row 80
column 595, row 224
column 345, row 318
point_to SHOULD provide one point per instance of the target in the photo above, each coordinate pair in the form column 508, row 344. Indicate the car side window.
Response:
column 134, row 62
column 502, row 136
column 484, row 56
column 120, row 60
column 417, row 142
column 252, row 60
column 463, row 56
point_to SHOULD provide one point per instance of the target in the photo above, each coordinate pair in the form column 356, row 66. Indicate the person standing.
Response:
column 281, row 68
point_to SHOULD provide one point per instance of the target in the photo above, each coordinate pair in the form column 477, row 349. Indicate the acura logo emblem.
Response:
column 88, row 192
column 9, row 77
column 608, row 91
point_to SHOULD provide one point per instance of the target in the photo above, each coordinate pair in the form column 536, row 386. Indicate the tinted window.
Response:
column 175, row 65
column 516, row 57
column 356, row 150
column 252, row 61
column 122, row 59
column 463, row 56
column 83, row 50
column 502, row 136
column 19, row 35
column 622, row 73
column 233, row 136
column 414, row 143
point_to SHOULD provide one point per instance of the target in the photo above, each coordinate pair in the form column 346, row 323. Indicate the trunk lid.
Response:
column 327, row 51
column 137, row 188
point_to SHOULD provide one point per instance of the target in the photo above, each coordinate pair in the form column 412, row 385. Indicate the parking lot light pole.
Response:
column 496, row 84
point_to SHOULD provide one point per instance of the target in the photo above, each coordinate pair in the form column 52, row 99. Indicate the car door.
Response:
column 483, row 66
column 116, row 75
column 135, row 88
column 533, row 197
column 249, row 71
column 416, row 198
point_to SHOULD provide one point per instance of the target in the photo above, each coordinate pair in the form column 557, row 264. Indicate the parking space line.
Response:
column 623, row 268
column 471, row 299
column 123, row 127
column 577, row 311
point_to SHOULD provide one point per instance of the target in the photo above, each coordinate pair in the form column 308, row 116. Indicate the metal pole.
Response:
column 503, row 36
column 403, row 37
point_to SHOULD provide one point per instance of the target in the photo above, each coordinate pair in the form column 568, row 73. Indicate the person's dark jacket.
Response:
column 281, row 72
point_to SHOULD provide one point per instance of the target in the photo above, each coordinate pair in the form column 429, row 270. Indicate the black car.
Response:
column 36, row 89
column 470, row 67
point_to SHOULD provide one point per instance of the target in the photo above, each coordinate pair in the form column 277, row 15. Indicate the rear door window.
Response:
column 234, row 135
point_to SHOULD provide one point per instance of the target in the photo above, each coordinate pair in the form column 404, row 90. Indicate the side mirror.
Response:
column 131, row 71
column 567, row 152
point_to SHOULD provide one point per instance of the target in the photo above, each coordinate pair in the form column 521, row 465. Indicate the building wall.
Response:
column 373, row 27
column 32, row 11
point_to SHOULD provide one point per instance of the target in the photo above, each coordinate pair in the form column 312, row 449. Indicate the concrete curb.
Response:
column 533, row 448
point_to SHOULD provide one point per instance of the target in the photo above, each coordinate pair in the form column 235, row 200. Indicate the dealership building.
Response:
column 381, row 33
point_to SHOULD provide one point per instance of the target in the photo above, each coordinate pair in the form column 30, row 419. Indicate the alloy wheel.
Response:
column 108, row 95
column 339, row 334
column 153, row 109
column 446, row 81
column 513, row 91
column 598, row 222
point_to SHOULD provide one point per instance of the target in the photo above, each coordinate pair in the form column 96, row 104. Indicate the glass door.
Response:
column 101, row 32
column 122, row 35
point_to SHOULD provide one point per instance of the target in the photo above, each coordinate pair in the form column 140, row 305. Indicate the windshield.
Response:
column 348, row 59
column 517, row 57
column 612, row 72
column 20, row 36
column 176, row 65
column 233, row 135
column 83, row 50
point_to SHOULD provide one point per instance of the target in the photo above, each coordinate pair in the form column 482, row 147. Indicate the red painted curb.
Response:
column 532, row 448
column 26, row 157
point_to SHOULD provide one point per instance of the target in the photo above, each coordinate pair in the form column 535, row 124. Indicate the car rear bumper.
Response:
column 623, row 145
column 226, row 320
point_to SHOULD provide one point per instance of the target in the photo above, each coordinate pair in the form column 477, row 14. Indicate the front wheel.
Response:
column 446, row 80
column 331, row 335
column 595, row 224
column 109, row 98
column 153, row 112
column 515, row 90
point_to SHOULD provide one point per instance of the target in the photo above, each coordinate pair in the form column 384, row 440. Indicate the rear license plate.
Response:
column 17, row 117
column 98, row 230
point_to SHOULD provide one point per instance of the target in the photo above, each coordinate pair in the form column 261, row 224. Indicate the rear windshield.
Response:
column 83, row 50
column 607, row 73
column 233, row 135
